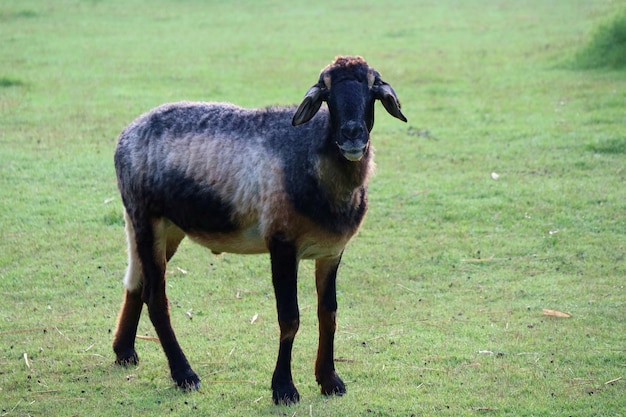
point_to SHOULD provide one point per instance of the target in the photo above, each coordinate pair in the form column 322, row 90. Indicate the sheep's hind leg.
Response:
column 325, row 280
column 128, row 319
column 151, row 248
column 124, row 343
column 284, row 278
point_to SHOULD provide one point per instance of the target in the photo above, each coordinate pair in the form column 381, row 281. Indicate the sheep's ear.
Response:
column 384, row 93
column 310, row 105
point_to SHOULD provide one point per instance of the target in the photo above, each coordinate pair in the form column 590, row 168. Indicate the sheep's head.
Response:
column 350, row 87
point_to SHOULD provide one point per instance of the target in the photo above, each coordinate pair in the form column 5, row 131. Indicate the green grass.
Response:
column 607, row 46
column 451, row 263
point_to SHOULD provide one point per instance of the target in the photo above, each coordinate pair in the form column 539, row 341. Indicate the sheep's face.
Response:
column 350, row 87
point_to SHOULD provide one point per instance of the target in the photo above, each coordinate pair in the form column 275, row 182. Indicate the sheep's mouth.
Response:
column 352, row 151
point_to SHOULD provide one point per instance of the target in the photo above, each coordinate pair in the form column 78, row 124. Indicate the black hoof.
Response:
column 127, row 358
column 333, row 386
column 187, row 380
column 285, row 395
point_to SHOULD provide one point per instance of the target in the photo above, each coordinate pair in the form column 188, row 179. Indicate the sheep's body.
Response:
column 230, row 177
column 249, row 181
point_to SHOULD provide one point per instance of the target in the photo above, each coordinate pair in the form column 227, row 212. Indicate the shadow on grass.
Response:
column 6, row 82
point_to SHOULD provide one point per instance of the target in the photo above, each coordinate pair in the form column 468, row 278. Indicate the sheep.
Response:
column 250, row 181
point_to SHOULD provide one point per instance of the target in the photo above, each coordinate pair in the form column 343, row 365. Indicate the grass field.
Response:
column 504, row 195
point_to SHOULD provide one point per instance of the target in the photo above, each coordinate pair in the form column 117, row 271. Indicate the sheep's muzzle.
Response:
column 353, row 150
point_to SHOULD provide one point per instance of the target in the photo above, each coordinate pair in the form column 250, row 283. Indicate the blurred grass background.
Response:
column 504, row 195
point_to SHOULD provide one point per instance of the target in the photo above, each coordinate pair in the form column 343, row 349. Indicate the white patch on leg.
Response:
column 133, row 278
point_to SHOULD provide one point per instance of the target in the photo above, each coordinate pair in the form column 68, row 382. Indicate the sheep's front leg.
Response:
column 284, row 277
column 325, row 280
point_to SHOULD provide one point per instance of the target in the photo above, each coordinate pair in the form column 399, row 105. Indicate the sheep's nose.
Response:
column 352, row 130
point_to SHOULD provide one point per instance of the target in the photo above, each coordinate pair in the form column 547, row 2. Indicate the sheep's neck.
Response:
column 343, row 180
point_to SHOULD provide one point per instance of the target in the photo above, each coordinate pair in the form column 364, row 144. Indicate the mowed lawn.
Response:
column 488, row 278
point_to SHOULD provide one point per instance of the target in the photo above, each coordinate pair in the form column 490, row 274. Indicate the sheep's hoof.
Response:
column 285, row 395
column 187, row 380
column 127, row 358
column 333, row 386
